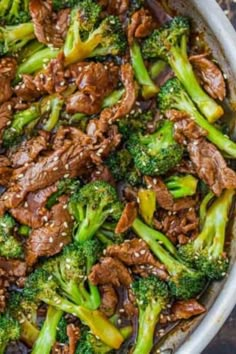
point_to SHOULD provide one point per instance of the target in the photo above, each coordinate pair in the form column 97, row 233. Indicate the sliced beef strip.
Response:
column 5, row 116
column 49, row 239
column 127, row 218
column 211, row 166
column 73, row 333
column 141, row 25
column 110, row 271
column 59, row 348
column 94, row 82
column 163, row 196
column 185, row 166
column 5, row 171
column 7, row 73
column 183, row 310
column 49, row 28
column 136, row 252
column 102, row 173
column 29, row 150
column 13, row 268
column 209, row 75
column 27, row 90
column 109, row 299
column 115, row 7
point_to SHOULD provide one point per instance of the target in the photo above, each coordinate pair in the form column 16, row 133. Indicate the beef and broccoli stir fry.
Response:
column 115, row 171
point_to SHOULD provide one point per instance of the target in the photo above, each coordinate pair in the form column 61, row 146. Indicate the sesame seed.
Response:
column 61, row 244
column 50, row 239
column 136, row 254
column 142, row 252
column 66, row 175
column 55, row 168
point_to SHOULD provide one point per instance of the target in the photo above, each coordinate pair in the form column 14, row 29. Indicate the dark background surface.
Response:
column 225, row 341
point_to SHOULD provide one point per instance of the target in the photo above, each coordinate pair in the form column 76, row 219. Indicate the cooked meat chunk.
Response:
column 136, row 252
column 186, row 309
column 110, row 271
column 53, row 236
column 49, row 28
column 211, row 166
column 13, row 268
column 2, row 295
column 7, row 73
column 141, row 25
column 210, row 76
column 27, row 90
column 94, row 82
column 115, row 7
column 185, row 166
column 127, row 218
column 73, row 334
column 5, row 171
column 102, row 173
column 163, row 196
column 28, row 151
column 109, row 299
column 5, row 116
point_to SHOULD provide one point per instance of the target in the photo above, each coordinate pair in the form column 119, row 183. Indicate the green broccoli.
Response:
column 71, row 269
column 184, row 282
column 149, row 89
column 92, row 206
column 26, row 313
column 173, row 96
column 206, row 252
column 64, row 186
column 61, row 335
column 10, row 247
column 155, row 154
column 14, row 132
column 89, row 344
column 52, row 105
column 14, row 38
column 121, row 166
column 170, row 44
column 9, row 331
column 13, row 12
column 181, row 186
column 107, row 235
column 151, row 296
column 43, row 287
column 62, row 4
column 137, row 121
column 84, row 39
column 47, row 335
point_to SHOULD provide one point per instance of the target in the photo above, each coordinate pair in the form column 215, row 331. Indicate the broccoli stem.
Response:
column 203, row 207
column 153, row 238
column 113, row 98
column 56, row 105
column 156, row 68
column 21, row 119
column 14, row 8
column 37, row 61
column 184, row 72
column 29, row 50
column 147, row 323
column 47, row 336
column 21, row 31
column 4, row 7
column 214, row 135
column 29, row 333
column 149, row 89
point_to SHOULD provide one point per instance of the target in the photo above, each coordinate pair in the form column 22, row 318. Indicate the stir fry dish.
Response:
column 116, row 175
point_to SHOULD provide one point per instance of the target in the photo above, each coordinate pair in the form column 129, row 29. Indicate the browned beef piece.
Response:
column 163, row 196
column 13, row 268
column 183, row 310
column 127, row 218
column 178, row 226
column 29, row 150
column 109, row 299
column 5, row 116
column 26, row 90
column 53, row 236
column 49, row 28
column 7, row 73
column 5, row 170
column 115, row 7
column 33, row 212
column 211, row 166
column 94, row 82
column 59, row 348
column 141, row 25
column 210, row 76
column 136, row 252
column 73, row 333
column 110, row 271
column 185, row 166
column 102, row 173
column 2, row 296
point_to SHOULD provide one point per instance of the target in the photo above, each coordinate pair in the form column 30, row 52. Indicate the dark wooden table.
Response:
column 225, row 341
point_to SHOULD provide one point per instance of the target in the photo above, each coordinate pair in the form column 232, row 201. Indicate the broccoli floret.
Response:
column 13, row 38
column 10, row 247
column 61, row 4
column 151, row 296
column 85, row 40
column 155, row 154
column 62, row 336
column 135, row 122
column 47, row 335
column 173, row 96
column 184, row 282
column 149, row 89
column 13, row 12
column 121, row 166
column 26, row 313
column 36, row 61
column 71, row 269
column 13, row 134
column 9, row 331
column 89, row 344
column 206, row 252
column 42, row 286
column 181, row 186
column 64, row 186
column 170, row 44
column 52, row 105
column 92, row 206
